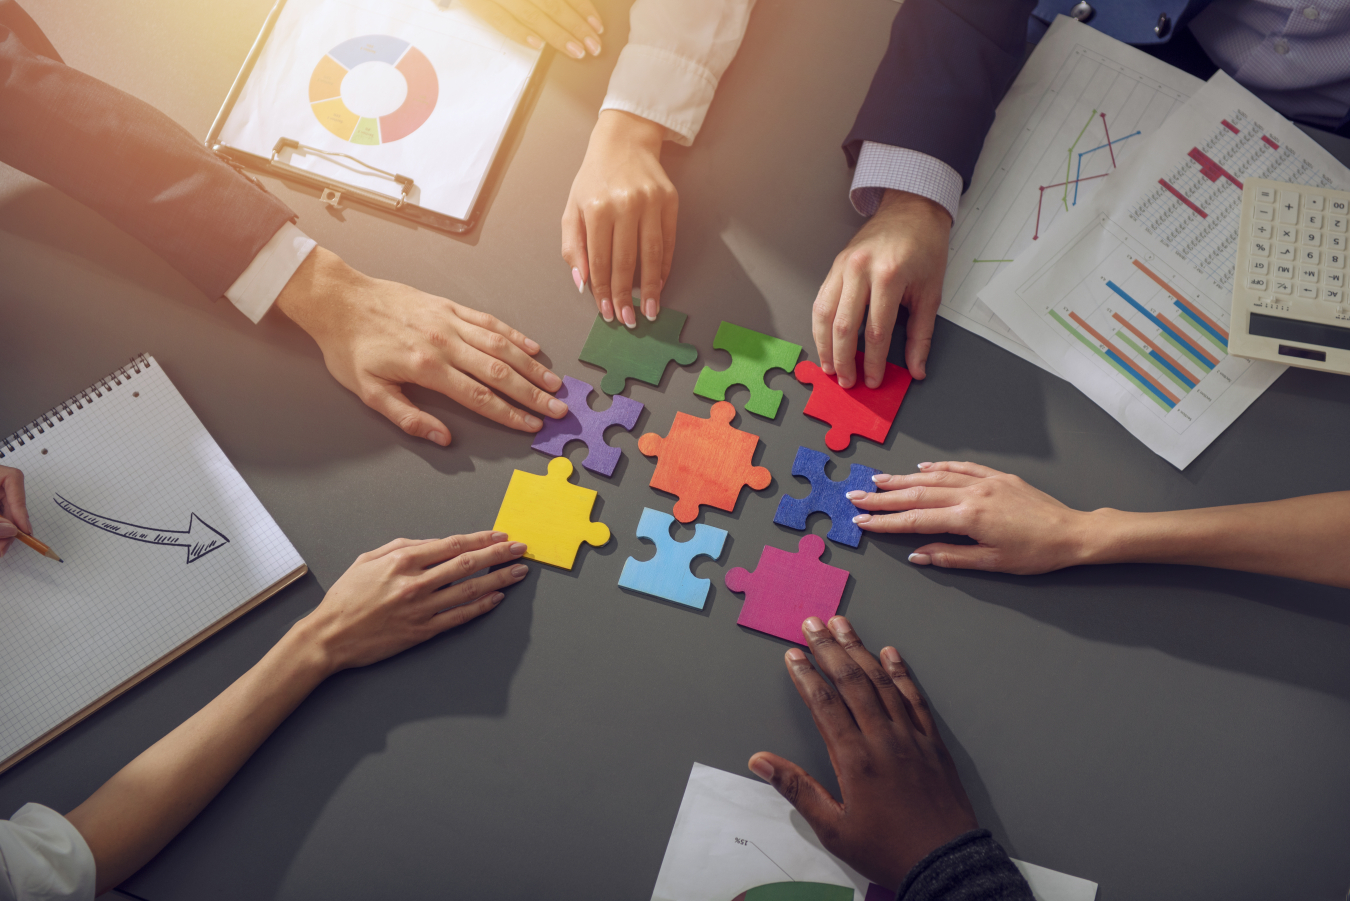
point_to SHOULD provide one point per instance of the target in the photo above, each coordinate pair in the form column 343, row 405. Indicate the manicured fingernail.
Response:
column 535, row 42
column 925, row 465
column 575, row 50
column 862, row 518
column 596, row 24
column 760, row 767
column 498, row 536
column 813, row 624
column 577, row 279
column 531, row 346
column 593, row 45
column 920, row 559
column 649, row 309
column 438, row 438
column 856, row 495
column 551, row 381
column 519, row 570
column 517, row 548
column 496, row 597
column 890, row 655
column 879, row 478
column 607, row 310
column 796, row 655
column 629, row 317
column 557, row 407
column 532, row 423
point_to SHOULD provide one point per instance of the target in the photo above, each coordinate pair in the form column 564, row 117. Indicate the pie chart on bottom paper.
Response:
column 373, row 89
column 796, row 891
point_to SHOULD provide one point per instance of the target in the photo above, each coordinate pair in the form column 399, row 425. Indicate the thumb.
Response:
column 7, row 529
column 389, row 400
column 957, row 556
column 812, row 801
column 574, row 245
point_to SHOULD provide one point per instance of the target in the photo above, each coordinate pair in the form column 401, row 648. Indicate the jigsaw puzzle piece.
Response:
column 641, row 353
column 704, row 461
column 584, row 424
column 753, row 354
column 787, row 587
column 827, row 496
column 669, row 574
column 550, row 514
column 859, row 410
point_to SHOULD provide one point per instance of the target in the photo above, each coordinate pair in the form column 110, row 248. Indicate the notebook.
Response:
column 164, row 544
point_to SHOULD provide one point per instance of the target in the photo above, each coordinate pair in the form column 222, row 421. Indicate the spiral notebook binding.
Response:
column 69, row 407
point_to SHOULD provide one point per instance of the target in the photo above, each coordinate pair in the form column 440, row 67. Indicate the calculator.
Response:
column 1289, row 286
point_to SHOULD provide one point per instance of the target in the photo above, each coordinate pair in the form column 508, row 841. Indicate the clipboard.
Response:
column 400, row 198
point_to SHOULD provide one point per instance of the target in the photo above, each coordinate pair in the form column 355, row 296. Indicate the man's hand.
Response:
column 622, row 211
column 902, row 797
column 1019, row 529
column 377, row 336
column 13, row 508
column 896, row 260
column 569, row 26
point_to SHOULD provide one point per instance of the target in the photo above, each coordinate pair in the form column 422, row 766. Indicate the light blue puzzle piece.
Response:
column 668, row 574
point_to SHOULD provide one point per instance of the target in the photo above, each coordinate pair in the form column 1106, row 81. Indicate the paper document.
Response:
column 401, row 85
column 1082, row 105
column 733, row 835
column 1128, row 296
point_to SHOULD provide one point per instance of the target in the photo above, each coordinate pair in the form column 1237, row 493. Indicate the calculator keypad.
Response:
column 1293, row 250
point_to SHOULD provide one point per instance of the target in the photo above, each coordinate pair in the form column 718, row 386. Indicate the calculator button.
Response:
column 1288, row 206
column 1336, row 223
column 1335, row 279
column 1336, row 259
column 1263, row 211
column 1308, row 273
column 1312, row 220
column 1265, row 195
column 1279, row 286
column 1308, row 255
column 1333, row 295
column 1312, row 238
column 1286, row 233
column 1339, row 206
column 1261, row 248
column 1284, row 270
column 1256, row 282
column 1314, row 202
column 1307, row 291
column 1336, row 242
column 1261, row 230
column 1284, row 252
column 1258, row 266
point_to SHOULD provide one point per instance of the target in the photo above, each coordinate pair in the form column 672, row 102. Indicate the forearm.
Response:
column 1300, row 538
column 141, row 808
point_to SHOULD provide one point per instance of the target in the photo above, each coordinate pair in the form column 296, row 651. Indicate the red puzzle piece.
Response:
column 704, row 461
column 786, row 588
column 859, row 410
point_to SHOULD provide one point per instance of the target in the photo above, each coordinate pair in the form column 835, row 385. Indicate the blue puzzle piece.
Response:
column 827, row 496
column 668, row 575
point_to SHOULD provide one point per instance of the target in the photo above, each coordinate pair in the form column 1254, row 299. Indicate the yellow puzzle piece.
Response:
column 550, row 514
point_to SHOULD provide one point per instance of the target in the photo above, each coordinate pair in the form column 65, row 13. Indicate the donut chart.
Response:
column 373, row 68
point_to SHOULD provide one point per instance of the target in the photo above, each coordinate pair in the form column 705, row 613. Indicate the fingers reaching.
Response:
column 569, row 26
column 917, row 706
column 388, row 399
column 854, row 684
column 816, row 805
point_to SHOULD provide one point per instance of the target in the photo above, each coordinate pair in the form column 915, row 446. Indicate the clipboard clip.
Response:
column 331, row 195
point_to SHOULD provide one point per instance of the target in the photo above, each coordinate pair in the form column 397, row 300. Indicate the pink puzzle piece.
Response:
column 859, row 410
column 786, row 588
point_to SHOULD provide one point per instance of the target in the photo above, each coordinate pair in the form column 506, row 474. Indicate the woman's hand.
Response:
column 1019, row 529
column 13, row 508
column 400, row 595
column 569, row 26
column 621, row 212
column 901, row 795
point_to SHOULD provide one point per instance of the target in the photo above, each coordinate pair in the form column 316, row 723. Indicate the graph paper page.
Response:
column 161, row 538
column 1082, row 105
column 1128, row 296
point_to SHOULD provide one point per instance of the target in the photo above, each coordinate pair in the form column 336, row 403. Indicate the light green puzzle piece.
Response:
column 753, row 354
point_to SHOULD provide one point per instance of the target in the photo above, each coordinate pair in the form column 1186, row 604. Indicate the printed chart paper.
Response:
column 734, row 834
column 1082, row 105
column 1128, row 296
column 401, row 85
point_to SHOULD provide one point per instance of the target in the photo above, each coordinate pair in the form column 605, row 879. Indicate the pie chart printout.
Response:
column 797, row 891
column 373, row 89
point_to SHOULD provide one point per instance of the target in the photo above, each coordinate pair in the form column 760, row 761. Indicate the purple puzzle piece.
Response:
column 584, row 424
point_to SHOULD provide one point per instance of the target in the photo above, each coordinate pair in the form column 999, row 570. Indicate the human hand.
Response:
column 1019, row 529
column 897, row 259
column 377, row 336
column 622, row 210
column 570, row 26
column 902, row 797
column 13, row 508
column 400, row 595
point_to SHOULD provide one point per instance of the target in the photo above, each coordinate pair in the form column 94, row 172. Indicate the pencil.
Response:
column 38, row 546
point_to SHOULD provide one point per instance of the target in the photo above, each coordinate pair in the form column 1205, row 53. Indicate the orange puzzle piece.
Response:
column 704, row 461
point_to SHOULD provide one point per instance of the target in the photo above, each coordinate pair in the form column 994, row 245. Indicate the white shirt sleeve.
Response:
column 44, row 858
column 677, row 51
column 881, row 166
column 257, row 287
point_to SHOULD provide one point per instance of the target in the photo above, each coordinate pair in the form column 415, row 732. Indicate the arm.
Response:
column 1019, row 529
column 622, row 208
column 903, row 819
column 391, row 599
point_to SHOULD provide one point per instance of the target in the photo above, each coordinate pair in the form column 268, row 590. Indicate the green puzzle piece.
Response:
column 753, row 354
column 640, row 353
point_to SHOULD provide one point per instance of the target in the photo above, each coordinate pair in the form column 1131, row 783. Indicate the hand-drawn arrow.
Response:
column 199, row 538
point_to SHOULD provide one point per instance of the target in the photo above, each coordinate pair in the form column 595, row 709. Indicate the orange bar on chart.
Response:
column 1180, row 299
column 1120, row 353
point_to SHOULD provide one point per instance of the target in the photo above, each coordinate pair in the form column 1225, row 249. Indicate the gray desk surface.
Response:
column 1168, row 732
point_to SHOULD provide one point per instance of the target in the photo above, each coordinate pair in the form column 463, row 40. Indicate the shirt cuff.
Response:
column 257, row 288
column 881, row 166
column 663, row 87
column 42, row 855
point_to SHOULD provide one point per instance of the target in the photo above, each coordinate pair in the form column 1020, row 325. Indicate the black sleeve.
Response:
column 947, row 67
column 972, row 867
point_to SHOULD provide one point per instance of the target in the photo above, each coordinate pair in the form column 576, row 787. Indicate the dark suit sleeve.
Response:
column 128, row 161
column 948, row 65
